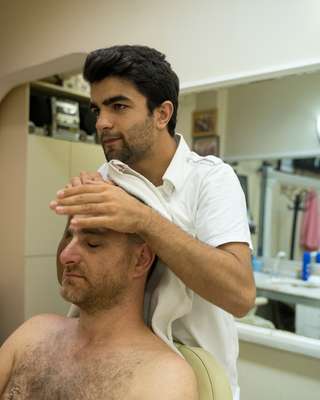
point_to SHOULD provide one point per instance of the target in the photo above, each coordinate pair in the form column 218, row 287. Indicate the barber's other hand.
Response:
column 102, row 204
column 84, row 178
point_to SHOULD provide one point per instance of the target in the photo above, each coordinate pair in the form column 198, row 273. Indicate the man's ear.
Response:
column 163, row 114
column 144, row 260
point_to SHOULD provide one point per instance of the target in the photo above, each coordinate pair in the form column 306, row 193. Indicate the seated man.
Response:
column 106, row 353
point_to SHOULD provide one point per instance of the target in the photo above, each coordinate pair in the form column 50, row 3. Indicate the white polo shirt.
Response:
column 206, row 200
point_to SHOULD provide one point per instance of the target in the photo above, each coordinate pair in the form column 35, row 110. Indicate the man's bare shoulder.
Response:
column 36, row 329
column 168, row 376
column 28, row 334
column 46, row 322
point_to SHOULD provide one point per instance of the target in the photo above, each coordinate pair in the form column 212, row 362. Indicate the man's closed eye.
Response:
column 93, row 245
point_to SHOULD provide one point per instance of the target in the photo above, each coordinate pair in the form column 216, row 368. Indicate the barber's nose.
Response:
column 70, row 254
column 104, row 121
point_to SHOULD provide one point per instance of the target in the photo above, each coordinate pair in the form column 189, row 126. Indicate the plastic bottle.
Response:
column 306, row 261
column 256, row 264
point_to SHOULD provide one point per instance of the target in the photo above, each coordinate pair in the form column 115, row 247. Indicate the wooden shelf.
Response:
column 58, row 90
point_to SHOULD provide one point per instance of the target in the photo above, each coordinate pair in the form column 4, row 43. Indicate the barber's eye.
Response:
column 119, row 106
column 95, row 111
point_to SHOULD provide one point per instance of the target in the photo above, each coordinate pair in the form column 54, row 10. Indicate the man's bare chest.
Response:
column 58, row 374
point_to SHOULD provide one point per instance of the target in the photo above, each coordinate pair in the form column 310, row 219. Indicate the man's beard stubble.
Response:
column 90, row 298
column 140, row 138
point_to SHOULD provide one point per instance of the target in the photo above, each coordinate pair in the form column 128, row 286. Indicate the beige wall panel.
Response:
column 266, row 373
column 42, row 288
column 85, row 157
column 47, row 171
column 13, row 150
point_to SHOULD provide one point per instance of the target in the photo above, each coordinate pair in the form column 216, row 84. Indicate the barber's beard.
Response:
column 105, row 294
column 135, row 146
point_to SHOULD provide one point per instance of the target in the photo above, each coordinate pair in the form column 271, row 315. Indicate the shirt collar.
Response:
column 178, row 168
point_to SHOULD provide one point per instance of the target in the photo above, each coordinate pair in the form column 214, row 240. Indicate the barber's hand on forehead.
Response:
column 101, row 204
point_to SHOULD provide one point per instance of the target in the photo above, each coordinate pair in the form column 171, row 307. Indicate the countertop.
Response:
column 288, row 290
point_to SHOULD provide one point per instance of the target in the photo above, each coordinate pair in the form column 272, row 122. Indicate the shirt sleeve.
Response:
column 221, row 215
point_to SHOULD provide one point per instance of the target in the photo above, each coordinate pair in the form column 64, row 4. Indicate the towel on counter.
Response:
column 166, row 297
column 310, row 228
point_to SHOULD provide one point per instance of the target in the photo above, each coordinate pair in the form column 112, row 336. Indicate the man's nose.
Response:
column 104, row 121
column 70, row 254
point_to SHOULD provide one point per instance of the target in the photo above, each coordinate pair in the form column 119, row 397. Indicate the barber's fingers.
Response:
column 84, row 178
column 88, row 177
column 100, row 183
column 90, row 187
column 92, row 222
column 84, row 198
column 75, row 181
column 84, row 209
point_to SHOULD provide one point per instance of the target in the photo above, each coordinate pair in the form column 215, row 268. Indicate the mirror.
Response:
column 272, row 139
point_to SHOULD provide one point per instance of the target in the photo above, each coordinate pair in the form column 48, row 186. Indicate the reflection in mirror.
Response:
column 272, row 141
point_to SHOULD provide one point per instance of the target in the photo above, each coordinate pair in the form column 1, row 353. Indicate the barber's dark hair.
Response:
column 144, row 67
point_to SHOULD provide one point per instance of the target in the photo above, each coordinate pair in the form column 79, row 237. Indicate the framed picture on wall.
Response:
column 205, row 146
column 204, row 123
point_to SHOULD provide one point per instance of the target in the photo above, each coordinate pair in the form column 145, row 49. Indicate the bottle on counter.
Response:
column 306, row 265
column 310, row 264
column 257, row 264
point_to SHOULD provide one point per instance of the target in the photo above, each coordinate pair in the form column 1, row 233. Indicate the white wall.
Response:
column 208, row 41
column 274, row 119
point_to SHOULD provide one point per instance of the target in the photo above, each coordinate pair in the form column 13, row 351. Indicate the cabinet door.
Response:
column 41, row 293
column 85, row 157
column 48, row 169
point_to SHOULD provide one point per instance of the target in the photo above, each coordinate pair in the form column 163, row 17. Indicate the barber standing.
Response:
column 134, row 94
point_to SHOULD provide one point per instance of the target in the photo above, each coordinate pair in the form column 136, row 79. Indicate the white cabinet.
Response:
column 308, row 321
column 48, row 169
column 85, row 157
column 50, row 165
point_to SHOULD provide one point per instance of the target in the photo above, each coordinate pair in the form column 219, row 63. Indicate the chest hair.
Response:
column 60, row 373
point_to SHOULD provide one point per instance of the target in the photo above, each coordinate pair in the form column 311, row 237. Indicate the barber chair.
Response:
column 212, row 381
